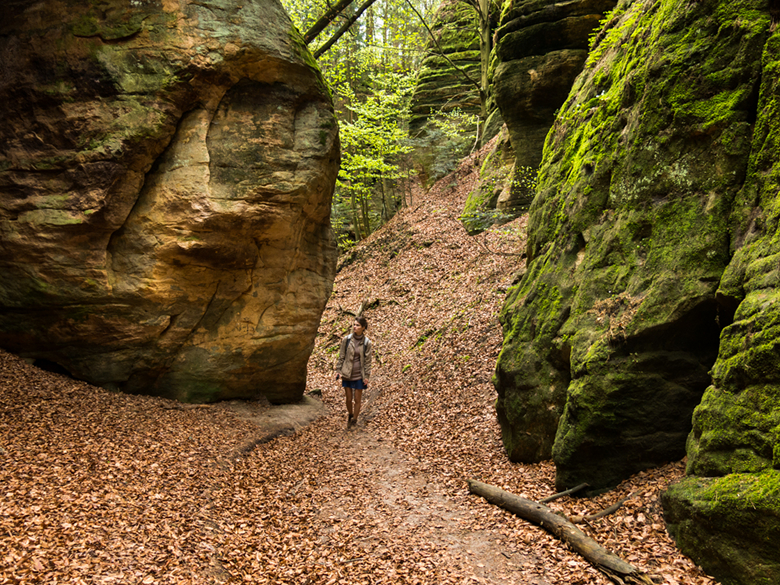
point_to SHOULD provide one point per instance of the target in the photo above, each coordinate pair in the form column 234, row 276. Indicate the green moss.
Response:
column 45, row 217
column 640, row 171
column 92, row 24
column 730, row 525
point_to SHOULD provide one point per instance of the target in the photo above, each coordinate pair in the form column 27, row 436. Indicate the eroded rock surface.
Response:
column 166, row 171
column 726, row 514
column 541, row 46
column 440, row 86
column 610, row 335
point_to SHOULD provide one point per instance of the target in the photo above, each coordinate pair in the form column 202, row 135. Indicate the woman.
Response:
column 354, row 367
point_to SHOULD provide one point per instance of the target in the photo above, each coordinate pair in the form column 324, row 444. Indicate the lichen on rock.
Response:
column 166, row 174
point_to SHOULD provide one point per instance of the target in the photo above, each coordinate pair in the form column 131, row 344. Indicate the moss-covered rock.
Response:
column 440, row 86
column 495, row 178
column 541, row 47
column 731, row 524
column 446, row 105
column 609, row 336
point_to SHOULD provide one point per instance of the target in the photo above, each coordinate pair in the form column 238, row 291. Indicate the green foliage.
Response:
column 370, row 71
column 373, row 144
column 447, row 138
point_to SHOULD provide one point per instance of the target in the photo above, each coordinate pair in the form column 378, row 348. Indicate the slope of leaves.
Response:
column 106, row 488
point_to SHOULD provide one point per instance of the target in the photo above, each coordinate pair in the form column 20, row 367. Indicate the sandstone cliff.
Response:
column 166, row 171
column 446, row 95
column 440, row 86
column 652, row 277
column 541, row 46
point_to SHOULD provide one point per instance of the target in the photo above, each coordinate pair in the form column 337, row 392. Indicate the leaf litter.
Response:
column 97, row 487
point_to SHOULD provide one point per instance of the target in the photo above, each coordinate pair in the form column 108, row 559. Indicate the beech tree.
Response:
column 368, row 51
column 361, row 46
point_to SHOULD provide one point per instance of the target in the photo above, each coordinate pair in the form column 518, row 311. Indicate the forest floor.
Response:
column 98, row 487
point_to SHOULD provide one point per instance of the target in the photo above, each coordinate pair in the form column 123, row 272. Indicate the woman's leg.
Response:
column 348, row 392
column 358, row 399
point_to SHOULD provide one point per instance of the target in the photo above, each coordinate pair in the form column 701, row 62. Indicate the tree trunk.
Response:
column 484, row 59
column 356, row 222
column 324, row 20
column 344, row 28
column 615, row 568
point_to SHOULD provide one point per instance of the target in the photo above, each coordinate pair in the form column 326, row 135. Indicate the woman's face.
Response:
column 357, row 328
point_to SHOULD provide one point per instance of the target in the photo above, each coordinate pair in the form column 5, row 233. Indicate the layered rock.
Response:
column 166, row 172
column 611, row 333
column 440, row 86
column 446, row 102
column 541, row 46
column 726, row 514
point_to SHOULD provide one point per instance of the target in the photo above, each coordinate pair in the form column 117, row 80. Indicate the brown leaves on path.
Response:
column 106, row 488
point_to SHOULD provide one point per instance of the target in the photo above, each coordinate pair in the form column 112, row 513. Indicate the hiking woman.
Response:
column 354, row 367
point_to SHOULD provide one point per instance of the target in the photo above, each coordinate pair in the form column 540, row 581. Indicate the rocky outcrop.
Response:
column 541, row 46
column 496, row 177
column 726, row 514
column 166, row 171
column 440, row 86
column 648, row 314
column 611, row 333
column 445, row 104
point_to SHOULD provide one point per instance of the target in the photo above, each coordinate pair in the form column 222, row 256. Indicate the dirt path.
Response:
column 374, row 513
column 412, row 506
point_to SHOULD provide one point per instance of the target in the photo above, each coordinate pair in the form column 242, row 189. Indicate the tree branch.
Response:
column 568, row 492
column 344, row 28
column 605, row 512
column 325, row 20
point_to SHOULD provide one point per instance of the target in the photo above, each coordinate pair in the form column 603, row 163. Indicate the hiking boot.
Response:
column 350, row 420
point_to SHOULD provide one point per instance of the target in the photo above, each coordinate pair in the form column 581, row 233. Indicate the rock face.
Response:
column 449, row 94
column 611, row 333
column 440, row 87
column 496, row 177
column 541, row 46
column 726, row 515
column 166, row 171
column 653, row 284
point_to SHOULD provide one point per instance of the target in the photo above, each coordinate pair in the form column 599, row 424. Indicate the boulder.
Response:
column 610, row 335
column 541, row 46
column 166, row 172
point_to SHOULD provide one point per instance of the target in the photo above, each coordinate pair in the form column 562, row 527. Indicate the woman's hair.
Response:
column 362, row 321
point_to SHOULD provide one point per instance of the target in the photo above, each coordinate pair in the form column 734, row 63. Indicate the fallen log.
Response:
column 615, row 568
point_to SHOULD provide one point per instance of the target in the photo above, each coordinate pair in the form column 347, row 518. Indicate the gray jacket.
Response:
column 347, row 355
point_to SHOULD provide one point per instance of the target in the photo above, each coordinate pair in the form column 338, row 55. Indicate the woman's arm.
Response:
column 368, row 354
column 342, row 355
